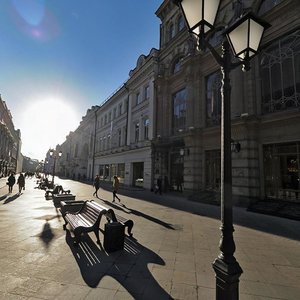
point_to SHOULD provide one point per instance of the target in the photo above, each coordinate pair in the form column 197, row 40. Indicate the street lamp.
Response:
column 244, row 36
column 54, row 155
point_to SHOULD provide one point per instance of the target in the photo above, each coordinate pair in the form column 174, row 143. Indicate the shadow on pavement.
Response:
column 11, row 198
column 129, row 267
column 128, row 210
column 262, row 222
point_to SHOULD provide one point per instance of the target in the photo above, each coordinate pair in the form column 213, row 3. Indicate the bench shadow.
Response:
column 11, row 198
column 128, row 210
column 129, row 267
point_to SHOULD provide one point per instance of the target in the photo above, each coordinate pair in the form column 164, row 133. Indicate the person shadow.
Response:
column 11, row 198
column 129, row 266
column 138, row 213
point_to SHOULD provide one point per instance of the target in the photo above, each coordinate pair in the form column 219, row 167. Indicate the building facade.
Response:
column 265, row 106
column 11, row 158
column 165, row 120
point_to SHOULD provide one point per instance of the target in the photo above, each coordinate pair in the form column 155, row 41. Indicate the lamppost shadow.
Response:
column 129, row 266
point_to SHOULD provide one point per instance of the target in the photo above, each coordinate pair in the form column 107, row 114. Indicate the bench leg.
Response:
column 97, row 235
column 129, row 225
column 65, row 225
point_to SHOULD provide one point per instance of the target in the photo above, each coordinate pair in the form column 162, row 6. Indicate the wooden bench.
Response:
column 112, row 217
column 87, row 219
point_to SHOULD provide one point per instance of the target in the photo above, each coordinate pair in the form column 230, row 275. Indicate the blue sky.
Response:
column 60, row 57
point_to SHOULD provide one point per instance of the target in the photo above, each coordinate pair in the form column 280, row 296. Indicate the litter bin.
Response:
column 114, row 236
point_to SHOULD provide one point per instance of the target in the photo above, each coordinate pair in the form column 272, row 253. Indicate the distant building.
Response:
column 10, row 143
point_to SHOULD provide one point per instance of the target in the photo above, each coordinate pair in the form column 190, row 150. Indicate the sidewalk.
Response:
column 175, row 242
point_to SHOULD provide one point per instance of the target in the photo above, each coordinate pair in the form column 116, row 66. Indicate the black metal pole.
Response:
column 53, row 171
column 225, row 265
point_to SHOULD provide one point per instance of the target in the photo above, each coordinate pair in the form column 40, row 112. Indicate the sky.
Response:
column 60, row 57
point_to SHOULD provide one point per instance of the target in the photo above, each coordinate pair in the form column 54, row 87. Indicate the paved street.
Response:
column 175, row 241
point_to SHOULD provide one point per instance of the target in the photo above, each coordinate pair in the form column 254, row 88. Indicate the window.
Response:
column 179, row 110
column 109, row 116
column 119, row 137
column 137, row 98
column 280, row 74
column 177, row 65
column 213, row 99
column 137, row 132
column 147, row 92
column 105, row 119
column 267, row 5
column 108, row 142
column 171, row 31
column 180, row 23
column 115, row 113
column 146, row 129
column 120, row 109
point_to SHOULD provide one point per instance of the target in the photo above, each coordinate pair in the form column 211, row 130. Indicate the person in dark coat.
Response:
column 11, row 181
column 21, row 182
column 96, row 185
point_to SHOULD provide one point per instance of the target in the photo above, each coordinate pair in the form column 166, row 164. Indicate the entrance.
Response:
column 138, row 174
column 177, row 167
column 282, row 171
column 213, row 170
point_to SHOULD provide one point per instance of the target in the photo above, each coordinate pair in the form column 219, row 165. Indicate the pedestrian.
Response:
column 158, row 187
column 21, row 182
column 11, row 181
column 96, row 185
column 116, row 184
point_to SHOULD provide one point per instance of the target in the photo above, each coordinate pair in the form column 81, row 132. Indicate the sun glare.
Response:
column 45, row 124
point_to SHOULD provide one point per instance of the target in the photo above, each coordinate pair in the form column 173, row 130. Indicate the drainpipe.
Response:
column 127, row 110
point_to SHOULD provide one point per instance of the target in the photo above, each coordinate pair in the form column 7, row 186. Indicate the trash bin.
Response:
column 114, row 236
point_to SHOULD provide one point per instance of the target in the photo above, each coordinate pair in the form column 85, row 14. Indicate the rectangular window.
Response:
column 146, row 129
column 109, row 116
column 137, row 98
column 213, row 99
column 147, row 92
column 179, row 111
column 105, row 119
column 119, row 137
column 137, row 132
column 115, row 112
column 120, row 109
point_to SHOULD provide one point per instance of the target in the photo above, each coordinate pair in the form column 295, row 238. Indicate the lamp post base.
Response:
column 227, row 279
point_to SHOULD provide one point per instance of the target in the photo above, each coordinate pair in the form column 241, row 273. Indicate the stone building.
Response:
column 11, row 158
column 124, row 128
column 265, row 104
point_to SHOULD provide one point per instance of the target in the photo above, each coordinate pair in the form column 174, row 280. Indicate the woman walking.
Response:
column 21, row 182
column 96, row 185
column 116, row 184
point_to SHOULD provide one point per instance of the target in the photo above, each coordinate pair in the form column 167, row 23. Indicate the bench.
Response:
column 112, row 217
column 87, row 219
column 58, row 189
column 57, row 198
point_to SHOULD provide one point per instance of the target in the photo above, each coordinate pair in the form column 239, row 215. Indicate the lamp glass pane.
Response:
column 239, row 37
column 210, row 12
column 256, row 32
column 193, row 11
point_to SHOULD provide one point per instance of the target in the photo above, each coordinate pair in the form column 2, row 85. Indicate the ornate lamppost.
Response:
column 54, row 155
column 244, row 37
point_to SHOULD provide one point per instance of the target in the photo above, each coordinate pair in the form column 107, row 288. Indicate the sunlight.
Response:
column 45, row 124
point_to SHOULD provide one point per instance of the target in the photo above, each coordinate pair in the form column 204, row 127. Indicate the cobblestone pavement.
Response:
column 175, row 241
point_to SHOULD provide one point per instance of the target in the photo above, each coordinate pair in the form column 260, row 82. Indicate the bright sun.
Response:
column 45, row 124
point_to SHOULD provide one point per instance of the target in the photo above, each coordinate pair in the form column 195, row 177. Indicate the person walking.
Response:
column 116, row 184
column 21, row 182
column 11, row 181
column 96, row 185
